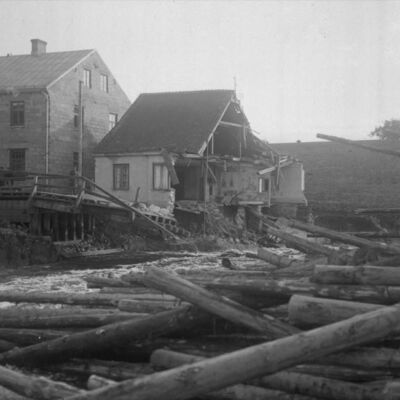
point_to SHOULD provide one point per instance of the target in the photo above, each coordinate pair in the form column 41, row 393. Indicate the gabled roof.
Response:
column 175, row 121
column 37, row 72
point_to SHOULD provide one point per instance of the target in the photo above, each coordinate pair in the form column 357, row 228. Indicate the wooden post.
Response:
column 213, row 303
column 253, row 362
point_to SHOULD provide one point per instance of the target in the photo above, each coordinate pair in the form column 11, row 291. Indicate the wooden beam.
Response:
column 359, row 145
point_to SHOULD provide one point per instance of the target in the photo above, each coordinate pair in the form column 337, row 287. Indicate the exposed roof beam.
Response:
column 226, row 123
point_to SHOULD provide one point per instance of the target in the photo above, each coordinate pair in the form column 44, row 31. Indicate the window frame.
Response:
column 109, row 120
column 163, row 168
column 104, row 83
column 87, row 77
column 12, row 160
column 15, row 115
column 120, row 167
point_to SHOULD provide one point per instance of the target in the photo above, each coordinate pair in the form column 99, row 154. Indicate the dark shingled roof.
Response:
column 175, row 121
column 27, row 71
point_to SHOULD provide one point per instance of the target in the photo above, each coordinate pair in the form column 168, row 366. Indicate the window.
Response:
column 17, row 113
column 161, row 179
column 112, row 121
column 121, row 177
column 76, row 116
column 263, row 185
column 75, row 161
column 17, row 159
column 104, row 83
column 87, row 78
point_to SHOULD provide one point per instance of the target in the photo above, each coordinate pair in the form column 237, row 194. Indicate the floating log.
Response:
column 317, row 386
column 96, row 381
column 391, row 390
column 6, row 345
column 26, row 337
column 344, row 237
column 69, row 321
column 142, row 306
column 36, row 387
column 282, row 289
column 162, row 359
column 95, row 340
column 216, row 304
column 346, row 373
column 306, row 312
column 7, row 394
column 87, row 299
column 256, row 361
column 237, row 392
column 305, row 245
column 117, row 370
column 275, row 259
column 357, row 275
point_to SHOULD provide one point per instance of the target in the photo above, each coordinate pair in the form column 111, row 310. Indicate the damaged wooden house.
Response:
column 187, row 150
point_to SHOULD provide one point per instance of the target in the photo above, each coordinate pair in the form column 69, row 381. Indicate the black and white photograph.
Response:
column 199, row 199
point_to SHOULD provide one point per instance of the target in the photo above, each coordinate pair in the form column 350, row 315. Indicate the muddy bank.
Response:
column 17, row 248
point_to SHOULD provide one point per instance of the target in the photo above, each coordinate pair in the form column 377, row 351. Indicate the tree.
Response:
column 390, row 130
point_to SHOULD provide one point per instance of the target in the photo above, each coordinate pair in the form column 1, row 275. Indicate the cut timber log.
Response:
column 346, row 373
column 95, row 382
column 286, row 381
column 237, row 392
column 6, row 345
column 142, row 306
column 88, row 299
column 282, row 289
column 94, row 340
column 26, row 337
column 357, row 275
column 307, row 246
column 116, row 370
column 272, row 258
column 215, row 304
column 256, row 361
column 65, row 321
column 35, row 387
column 306, row 312
column 392, row 390
column 344, row 238
column 7, row 394
column 317, row 386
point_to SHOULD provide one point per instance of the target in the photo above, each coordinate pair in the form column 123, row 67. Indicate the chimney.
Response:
column 38, row 47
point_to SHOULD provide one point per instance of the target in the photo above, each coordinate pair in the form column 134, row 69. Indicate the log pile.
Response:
column 282, row 329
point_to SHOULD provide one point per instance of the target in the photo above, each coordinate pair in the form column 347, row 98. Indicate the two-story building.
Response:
column 54, row 108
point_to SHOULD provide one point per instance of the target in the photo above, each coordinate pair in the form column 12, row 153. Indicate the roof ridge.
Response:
column 189, row 91
column 48, row 53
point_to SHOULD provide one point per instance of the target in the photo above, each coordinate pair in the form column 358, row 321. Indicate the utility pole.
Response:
column 80, row 153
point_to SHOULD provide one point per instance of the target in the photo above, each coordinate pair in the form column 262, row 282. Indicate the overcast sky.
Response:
column 301, row 67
